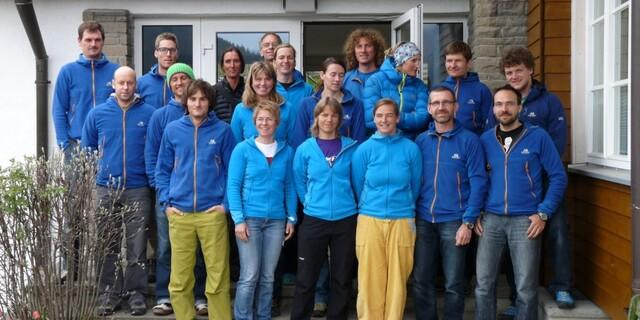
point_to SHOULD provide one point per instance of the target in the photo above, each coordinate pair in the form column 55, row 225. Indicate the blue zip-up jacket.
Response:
column 243, row 127
column 191, row 173
column 81, row 85
column 352, row 119
column 543, row 108
column 386, row 173
column 408, row 92
column 355, row 80
column 516, row 177
column 159, row 121
column 257, row 189
column 298, row 90
column 475, row 101
column 325, row 191
column 453, row 175
column 153, row 88
column 118, row 135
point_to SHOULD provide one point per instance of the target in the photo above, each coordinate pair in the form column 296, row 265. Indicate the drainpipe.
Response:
column 635, row 143
column 30, row 23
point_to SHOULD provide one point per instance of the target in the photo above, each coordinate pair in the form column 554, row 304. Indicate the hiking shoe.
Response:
column 509, row 313
column 202, row 309
column 319, row 310
column 137, row 308
column 107, row 308
column 565, row 300
column 162, row 309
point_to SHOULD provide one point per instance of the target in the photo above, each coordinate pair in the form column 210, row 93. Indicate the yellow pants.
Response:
column 385, row 259
column 210, row 229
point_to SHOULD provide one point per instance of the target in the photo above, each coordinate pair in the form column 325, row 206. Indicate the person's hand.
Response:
column 172, row 210
column 242, row 232
column 536, row 227
column 217, row 208
column 478, row 227
column 463, row 235
column 288, row 232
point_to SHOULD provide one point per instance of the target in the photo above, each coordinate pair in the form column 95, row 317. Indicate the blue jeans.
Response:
column 510, row 231
column 557, row 237
column 258, row 261
column 435, row 240
column 163, row 261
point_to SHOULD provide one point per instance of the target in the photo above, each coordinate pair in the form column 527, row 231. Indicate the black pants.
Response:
column 315, row 236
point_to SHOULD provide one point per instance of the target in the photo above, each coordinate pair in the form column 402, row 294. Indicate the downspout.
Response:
column 635, row 143
column 30, row 23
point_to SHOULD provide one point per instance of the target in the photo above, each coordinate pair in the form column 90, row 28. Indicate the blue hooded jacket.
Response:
column 298, row 90
column 516, row 177
column 543, row 108
column 325, row 191
column 352, row 119
column 257, row 189
column 191, row 173
column 119, row 136
column 409, row 93
column 159, row 121
column 475, row 101
column 243, row 127
column 453, row 174
column 386, row 173
column 81, row 85
column 153, row 88
column 355, row 80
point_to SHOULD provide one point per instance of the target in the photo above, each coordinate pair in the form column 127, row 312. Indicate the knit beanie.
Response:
column 405, row 52
column 180, row 68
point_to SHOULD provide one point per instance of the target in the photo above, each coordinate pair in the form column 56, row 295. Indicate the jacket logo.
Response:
column 212, row 141
column 561, row 118
column 140, row 124
column 347, row 117
column 108, row 84
column 455, row 156
column 525, row 151
column 531, row 114
column 471, row 101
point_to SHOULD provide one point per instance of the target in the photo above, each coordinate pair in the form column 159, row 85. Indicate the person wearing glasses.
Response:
column 152, row 87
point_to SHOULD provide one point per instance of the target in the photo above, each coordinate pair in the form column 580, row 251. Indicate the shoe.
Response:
column 509, row 313
column 319, row 310
column 137, row 308
column 565, row 300
column 107, row 308
column 275, row 308
column 202, row 309
column 162, row 309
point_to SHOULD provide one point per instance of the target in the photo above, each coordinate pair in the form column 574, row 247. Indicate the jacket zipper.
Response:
column 124, row 146
column 400, row 90
column 195, row 168
column 435, row 181
column 164, row 93
column 459, row 191
column 506, row 164
column 93, row 82
column 526, row 169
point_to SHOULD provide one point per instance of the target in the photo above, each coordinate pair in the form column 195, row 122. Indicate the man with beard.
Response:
column 517, row 206
column 364, row 53
column 452, row 194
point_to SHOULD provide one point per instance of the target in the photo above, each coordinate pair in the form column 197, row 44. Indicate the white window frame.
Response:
column 582, row 87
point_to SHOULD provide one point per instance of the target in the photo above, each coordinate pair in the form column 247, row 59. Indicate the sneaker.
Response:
column 202, row 309
column 319, row 310
column 565, row 300
column 137, row 307
column 509, row 313
column 107, row 308
column 162, row 309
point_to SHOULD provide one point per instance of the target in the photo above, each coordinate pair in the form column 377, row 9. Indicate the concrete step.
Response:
column 585, row 309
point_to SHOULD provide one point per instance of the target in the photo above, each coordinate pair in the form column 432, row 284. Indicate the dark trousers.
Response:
column 314, row 237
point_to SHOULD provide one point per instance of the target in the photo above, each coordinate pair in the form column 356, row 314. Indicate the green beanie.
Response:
column 180, row 68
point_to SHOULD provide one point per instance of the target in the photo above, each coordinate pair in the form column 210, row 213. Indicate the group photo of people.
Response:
column 368, row 182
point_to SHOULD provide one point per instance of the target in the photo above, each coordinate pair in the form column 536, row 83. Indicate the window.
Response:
column 607, row 83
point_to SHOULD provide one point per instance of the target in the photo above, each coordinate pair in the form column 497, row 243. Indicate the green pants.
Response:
column 210, row 230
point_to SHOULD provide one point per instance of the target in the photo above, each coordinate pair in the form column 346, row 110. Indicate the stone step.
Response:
column 585, row 309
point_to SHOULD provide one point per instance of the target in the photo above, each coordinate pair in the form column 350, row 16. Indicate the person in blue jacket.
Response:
column 364, row 53
column 152, row 87
column 81, row 85
column 352, row 123
column 450, row 200
column 191, row 176
column 262, row 201
column 116, row 130
column 397, row 80
column 260, row 86
column 322, row 176
column 386, row 173
column 291, row 85
column 474, row 97
column 517, row 206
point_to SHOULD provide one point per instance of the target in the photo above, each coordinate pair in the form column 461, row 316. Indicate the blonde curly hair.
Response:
column 350, row 44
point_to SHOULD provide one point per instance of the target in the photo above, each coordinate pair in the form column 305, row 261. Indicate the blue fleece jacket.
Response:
column 153, row 88
column 408, row 92
column 355, row 80
column 243, row 127
column 325, row 190
column 453, row 175
column 475, row 101
column 295, row 93
column 159, row 121
column 386, row 173
column 516, row 177
column 191, row 172
column 80, row 86
column 118, row 135
column 543, row 108
column 257, row 189
column 352, row 119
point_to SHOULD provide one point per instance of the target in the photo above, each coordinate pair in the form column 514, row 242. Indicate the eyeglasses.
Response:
column 445, row 103
column 164, row 50
column 266, row 45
